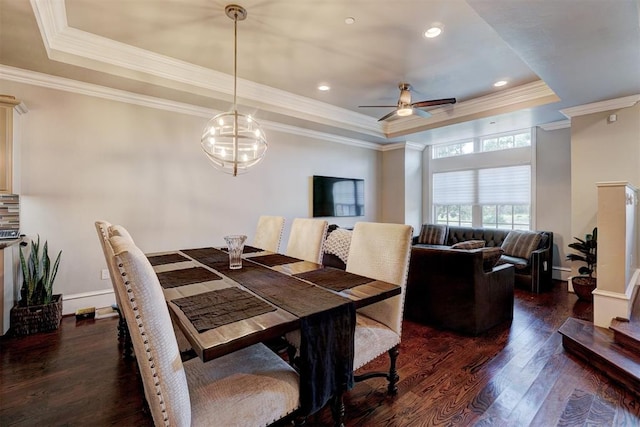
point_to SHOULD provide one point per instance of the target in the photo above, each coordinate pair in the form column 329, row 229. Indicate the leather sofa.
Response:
column 532, row 264
column 458, row 290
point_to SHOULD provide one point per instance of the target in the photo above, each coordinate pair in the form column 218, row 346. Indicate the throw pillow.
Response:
column 338, row 242
column 433, row 234
column 469, row 244
column 520, row 244
column 490, row 257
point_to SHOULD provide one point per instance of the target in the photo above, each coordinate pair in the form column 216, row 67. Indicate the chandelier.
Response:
column 233, row 141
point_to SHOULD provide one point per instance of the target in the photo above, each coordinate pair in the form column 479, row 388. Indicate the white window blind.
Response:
column 454, row 188
column 504, row 186
column 494, row 186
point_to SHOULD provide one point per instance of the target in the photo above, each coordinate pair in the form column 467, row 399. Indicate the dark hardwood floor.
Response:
column 514, row 375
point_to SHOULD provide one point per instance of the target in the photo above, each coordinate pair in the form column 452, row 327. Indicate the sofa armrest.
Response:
column 540, row 262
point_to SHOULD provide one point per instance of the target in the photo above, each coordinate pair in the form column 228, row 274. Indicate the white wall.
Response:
column 601, row 151
column 393, row 186
column 553, row 193
column 413, row 188
column 86, row 158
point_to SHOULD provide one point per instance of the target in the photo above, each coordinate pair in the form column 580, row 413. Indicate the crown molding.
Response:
column 560, row 124
column 524, row 96
column 599, row 107
column 418, row 146
column 80, row 48
column 409, row 145
column 67, row 85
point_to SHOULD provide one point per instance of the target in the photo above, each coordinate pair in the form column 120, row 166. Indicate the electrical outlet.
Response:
column 104, row 274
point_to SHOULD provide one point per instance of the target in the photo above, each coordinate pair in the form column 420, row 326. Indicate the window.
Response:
column 503, row 141
column 488, row 188
column 454, row 215
column 506, row 141
column 455, row 149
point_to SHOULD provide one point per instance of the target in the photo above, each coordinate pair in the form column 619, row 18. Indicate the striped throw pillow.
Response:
column 520, row 244
column 433, row 234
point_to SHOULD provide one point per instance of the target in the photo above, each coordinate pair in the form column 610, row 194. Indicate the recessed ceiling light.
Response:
column 433, row 32
column 349, row 20
column 324, row 87
column 500, row 83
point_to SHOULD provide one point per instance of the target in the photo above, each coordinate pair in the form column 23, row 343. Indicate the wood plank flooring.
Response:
column 514, row 375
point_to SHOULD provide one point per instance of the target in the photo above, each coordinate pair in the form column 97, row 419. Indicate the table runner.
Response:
column 334, row 278
column 327, row 324
column 166, row 259
column 186, row 276
column 274, row 259
column 212, row 309
column 293, row 295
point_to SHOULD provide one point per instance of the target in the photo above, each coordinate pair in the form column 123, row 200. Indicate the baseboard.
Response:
column 97, row 299
column 561, row 273
column 608, row 305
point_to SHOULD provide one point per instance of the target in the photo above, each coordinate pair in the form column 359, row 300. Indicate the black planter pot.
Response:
column 583, row 286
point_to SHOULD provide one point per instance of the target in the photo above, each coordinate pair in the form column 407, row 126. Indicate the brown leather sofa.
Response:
column 532, row 272
column 456, row 289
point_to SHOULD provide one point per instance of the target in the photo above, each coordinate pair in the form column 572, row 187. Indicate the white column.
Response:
column 617, row 270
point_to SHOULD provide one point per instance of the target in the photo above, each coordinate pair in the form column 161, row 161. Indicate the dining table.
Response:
column 220, row 310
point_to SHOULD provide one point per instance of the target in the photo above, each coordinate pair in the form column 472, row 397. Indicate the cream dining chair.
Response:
column 102, row 227
column 269, row 233
column 252, row 386
column 306, row 239
column 380, row 251
column 105, row 231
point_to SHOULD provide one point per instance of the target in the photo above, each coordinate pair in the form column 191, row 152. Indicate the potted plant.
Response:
column 587, row 249
column 39, row 309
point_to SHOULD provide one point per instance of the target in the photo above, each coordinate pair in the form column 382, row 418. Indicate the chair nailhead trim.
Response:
column 142, row 332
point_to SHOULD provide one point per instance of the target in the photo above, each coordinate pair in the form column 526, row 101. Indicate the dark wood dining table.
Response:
column 242, row 333
column 221, row 310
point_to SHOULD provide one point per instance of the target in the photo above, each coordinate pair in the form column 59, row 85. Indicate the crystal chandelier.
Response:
column 233, row 141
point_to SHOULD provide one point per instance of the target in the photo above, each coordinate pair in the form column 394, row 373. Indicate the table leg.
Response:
column 337, row 409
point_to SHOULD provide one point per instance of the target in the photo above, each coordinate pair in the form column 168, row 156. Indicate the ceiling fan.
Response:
column 406, row 108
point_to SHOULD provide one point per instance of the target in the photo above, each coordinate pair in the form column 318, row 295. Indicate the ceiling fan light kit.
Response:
column 232, row 141
column 405, row 108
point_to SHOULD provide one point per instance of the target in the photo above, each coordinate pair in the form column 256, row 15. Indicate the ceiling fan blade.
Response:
column 376, row 106
column 388, row 116
column 421, row 113
column 433, row 102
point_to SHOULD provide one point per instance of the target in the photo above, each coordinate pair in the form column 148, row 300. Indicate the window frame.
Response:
column 480, row 160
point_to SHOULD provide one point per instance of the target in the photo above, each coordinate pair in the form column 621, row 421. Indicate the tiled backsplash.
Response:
column 9, row 212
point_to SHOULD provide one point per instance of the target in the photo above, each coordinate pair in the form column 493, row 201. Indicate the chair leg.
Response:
column 122, row 325
column 123, row 334
column 127, row 346
column 391, row 376
column 291, row 354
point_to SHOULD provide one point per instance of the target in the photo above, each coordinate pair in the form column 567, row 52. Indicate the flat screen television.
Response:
column 337, row 196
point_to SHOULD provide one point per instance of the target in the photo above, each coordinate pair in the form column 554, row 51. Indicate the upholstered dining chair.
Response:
column 105, row 231
column 103, row 227
column 306, row 239
column 252, row 386
column 380, row 251
column 269, row 233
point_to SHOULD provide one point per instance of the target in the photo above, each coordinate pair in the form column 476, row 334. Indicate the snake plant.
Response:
column 37, row 275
